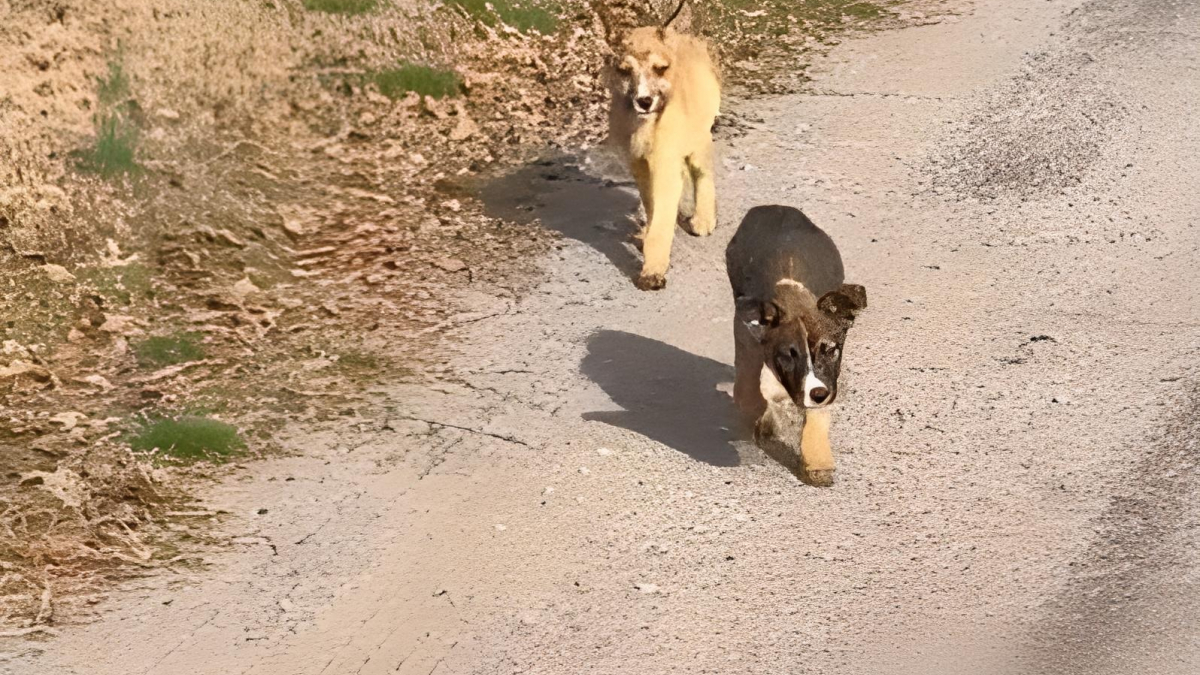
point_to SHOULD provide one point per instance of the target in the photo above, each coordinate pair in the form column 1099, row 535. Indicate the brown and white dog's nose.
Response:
column 644, row 103
column 818, row 394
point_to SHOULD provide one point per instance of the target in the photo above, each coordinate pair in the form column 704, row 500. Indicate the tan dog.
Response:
column 665, row 97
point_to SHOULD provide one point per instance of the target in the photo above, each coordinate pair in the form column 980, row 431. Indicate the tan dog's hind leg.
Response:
column 700, row 163
column 816, row 457
column 666, row 183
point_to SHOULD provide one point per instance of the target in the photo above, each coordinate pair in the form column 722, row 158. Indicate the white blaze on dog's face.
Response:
column 642, row 72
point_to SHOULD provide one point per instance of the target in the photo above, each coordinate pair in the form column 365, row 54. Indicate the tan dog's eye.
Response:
column 624, row 68
column 660, row 70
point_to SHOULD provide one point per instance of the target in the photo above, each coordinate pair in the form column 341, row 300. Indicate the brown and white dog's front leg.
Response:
column 816, row 457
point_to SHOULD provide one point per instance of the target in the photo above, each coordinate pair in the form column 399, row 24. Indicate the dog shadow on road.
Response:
column 580, row 206
column 668, row 395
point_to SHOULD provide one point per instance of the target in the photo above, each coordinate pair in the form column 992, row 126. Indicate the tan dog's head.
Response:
column 643, row 70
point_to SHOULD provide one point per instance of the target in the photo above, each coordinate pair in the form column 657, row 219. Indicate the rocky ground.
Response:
column 286, row 239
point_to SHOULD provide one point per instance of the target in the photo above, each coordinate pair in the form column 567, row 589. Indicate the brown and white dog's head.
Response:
column 802, row 337
column 642, row 70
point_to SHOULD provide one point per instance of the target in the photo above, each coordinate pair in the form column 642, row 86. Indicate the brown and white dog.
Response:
column 792, row 313
column 665, row 98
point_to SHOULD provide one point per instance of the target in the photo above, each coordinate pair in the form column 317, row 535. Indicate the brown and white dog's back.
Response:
column 792, row 313
column 665, row 98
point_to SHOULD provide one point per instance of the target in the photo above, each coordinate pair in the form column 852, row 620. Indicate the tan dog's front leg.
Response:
column 816, row 457
column 640, row 169
column 700, row 163
column 666, row 183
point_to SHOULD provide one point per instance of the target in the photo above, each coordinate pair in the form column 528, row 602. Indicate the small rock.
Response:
column 584, row 470
column 231, row 238
column 293, row 227
column 57, row 273
column 68, row 420
column 119, row 324
column 647, row 588
column 286, row 605
column 435, row 107
column 96, row 381
column 20, row 368
column 449, row 264
column 466, row 126
column 604, row 452
column 243, row 288
column 548, row 491
column 500, row 528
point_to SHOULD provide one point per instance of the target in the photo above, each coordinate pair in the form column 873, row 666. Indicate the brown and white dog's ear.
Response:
column 845, row 303
column 755, row 315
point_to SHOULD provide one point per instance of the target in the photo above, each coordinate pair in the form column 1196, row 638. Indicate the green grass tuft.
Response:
column 424, row 80
column 113, row 152
column 160, row 351
column 349, row 7
column 188, row 438
column 523, row 15
column 114, row 88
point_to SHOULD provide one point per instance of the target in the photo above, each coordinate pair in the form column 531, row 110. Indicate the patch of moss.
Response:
column 424, row 80
column 358, row 360
column 523, row 15
column 168, row 350
column 347, row 7
column 121, row 284
column 187, row 438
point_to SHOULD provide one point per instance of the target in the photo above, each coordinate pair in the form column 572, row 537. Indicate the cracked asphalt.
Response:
column 1016, row 433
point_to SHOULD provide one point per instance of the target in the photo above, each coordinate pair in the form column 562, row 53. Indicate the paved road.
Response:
column 1016, row 433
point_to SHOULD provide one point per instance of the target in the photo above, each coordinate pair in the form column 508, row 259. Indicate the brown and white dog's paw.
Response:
column 651, row 282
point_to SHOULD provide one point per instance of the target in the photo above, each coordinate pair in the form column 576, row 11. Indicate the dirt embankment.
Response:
column 214, row 215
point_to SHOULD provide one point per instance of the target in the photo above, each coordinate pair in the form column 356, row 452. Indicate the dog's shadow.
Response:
column 589, row 209
column 668, row 395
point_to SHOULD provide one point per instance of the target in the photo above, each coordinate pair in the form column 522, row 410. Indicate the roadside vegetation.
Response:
column 187, row 438
column 524, row 15
column 112, row 152
column 411, row 77
column 348, row 7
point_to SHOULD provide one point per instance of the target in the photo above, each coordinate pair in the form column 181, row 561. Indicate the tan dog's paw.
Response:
column 699, row 227
column 817, row 478
column 651, row 282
